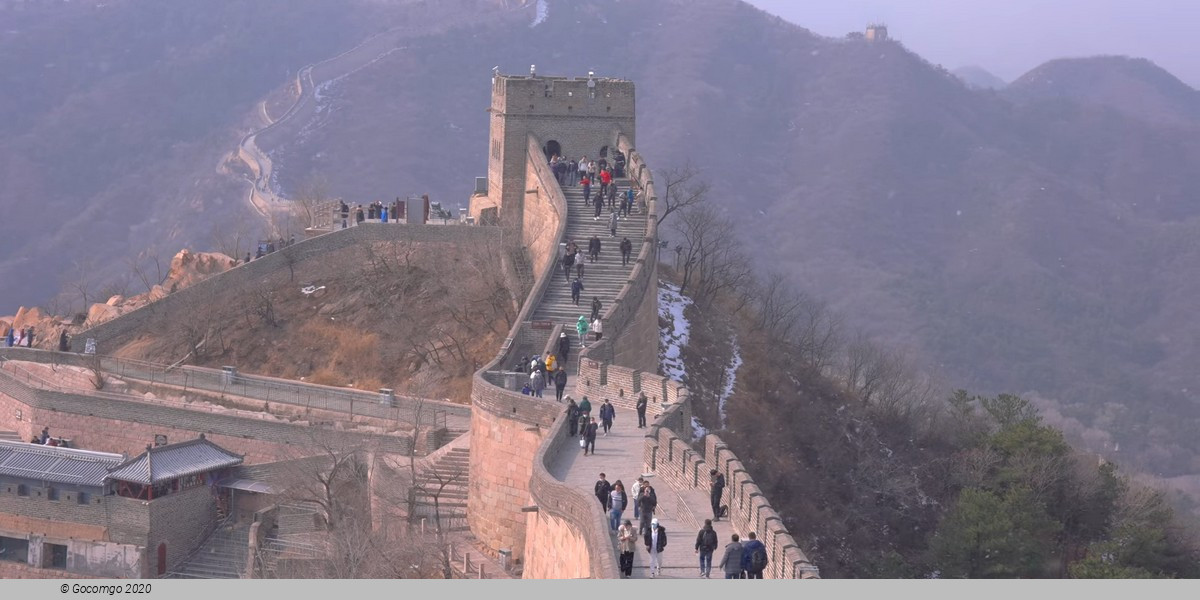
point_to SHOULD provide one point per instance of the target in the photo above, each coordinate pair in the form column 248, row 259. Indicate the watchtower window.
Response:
column 22, row 489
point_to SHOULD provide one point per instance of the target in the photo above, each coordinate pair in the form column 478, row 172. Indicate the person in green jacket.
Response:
column 581, row 326
column 585, row 407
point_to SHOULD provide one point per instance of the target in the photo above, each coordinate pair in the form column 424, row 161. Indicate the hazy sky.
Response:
column 1010, row 37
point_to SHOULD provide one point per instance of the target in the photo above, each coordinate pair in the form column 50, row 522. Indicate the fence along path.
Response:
column 407, row 409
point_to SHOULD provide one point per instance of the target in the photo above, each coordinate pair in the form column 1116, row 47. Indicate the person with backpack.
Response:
column 641, row 410
column 607, row 414
column 656, row 541
column 626, row 251
column 560, row 383
column 716, row 486
column 731, row 563
column 754, row 557
column 585, row 407
column 603, row 491
column 576, row 289
column 706, row 544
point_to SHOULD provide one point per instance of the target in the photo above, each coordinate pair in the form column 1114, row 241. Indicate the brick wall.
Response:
column 567, row 521
column 108, row 424
column 181, row 521
column 554, row 549
column 682, row 467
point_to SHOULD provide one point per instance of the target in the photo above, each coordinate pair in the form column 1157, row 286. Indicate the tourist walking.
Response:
column 603, row 488
column 706, row 544
column 29, row 338
column 626, row 251
column 564, row 346
column 598, row 328
column 607, row 414
column 538, row 382
column 568, row 261
column 754, row 557
column 594, row 248
column 10, row 339
column 656, row 541
column 637, row 495
column 560, row 383
column 581, row 327
column 731, row 563
column 617, row 500
column 716, row 486
column 612, row 224
column 587, row 189
column 63, row 345
column 572, row 417
column 576, row 289
column 585, row 408
column 641, row 410
column 627, row 542
column 595, row 307
column 589, row 437
column 649, row 502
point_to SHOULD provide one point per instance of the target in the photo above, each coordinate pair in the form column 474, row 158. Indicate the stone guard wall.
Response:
column 247, row 276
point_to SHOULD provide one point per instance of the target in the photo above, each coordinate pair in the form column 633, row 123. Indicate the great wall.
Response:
column 528, row 498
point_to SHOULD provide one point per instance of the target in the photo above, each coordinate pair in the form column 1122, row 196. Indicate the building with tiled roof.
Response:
column 68, row 512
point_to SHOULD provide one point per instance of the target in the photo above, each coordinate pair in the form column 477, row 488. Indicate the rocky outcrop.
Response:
column 187, row 268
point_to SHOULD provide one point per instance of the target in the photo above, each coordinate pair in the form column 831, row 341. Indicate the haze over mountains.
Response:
column 1038, row 239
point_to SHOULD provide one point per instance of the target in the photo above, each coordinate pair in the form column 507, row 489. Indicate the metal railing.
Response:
column 407, row 409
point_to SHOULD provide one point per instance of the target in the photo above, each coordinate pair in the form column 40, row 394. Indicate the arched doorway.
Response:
column 604, row 152
column 553, row 149
column 162, row 558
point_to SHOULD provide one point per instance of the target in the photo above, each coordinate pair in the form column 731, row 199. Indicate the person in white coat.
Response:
column 598, row 329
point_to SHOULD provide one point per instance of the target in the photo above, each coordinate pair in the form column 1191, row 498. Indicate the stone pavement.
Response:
column 620, row 457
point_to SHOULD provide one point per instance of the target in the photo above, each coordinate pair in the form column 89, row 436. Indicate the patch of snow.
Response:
column 730, row 378
column 543, row 11
column 674, row 336
column 698, row 430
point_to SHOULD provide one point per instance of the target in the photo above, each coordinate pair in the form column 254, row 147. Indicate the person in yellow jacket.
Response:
column 550, row 363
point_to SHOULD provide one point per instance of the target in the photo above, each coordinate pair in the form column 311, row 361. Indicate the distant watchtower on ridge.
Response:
column 568, row 116
column 877, row 32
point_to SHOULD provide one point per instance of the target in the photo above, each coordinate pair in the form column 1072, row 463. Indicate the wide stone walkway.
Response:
column 620, row 457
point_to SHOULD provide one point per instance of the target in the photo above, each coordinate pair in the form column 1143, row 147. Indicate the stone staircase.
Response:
column 221, row 556
column 603, row 278
column 10, row 436
column 452, row 470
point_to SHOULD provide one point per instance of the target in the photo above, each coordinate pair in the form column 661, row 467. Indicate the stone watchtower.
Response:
column 568, row 116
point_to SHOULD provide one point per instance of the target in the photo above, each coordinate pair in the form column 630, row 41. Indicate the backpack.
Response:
column 710, row 539
column 758, row 558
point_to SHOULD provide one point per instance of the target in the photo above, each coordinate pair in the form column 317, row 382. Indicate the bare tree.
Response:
column 147, row 268
column 234, row 240
column 712, row 257
column 311, row 197
column 83, row 281
column 681, row 187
